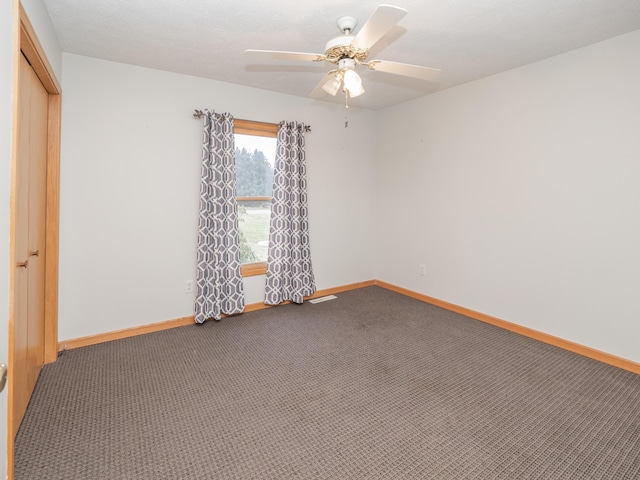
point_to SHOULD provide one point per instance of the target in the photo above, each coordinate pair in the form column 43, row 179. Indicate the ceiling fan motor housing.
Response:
column 340, row 47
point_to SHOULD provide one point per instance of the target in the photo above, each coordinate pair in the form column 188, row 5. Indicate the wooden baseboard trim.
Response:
column 124, row 333
column 526, row 331
column 181, row 322
column 513, row 327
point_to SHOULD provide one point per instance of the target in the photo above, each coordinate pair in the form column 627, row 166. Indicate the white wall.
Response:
column 8, row 23
column 516, row 191
column 130, row 167
column 520, row 194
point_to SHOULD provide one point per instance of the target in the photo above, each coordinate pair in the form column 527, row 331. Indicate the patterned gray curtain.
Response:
column 289, row 273
column 219, row 281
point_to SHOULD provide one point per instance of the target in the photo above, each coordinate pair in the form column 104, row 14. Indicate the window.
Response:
column 255, row 156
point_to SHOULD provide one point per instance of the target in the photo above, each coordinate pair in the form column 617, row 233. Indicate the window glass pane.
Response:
column 255, row 157
column 254, row 230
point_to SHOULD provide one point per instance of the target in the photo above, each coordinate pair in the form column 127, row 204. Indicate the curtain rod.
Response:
column 200, row 113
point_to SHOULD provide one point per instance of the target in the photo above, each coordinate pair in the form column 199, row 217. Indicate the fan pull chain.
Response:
column 346, row 109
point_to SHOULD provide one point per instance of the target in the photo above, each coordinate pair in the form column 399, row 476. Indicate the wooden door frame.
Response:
column 26, row 41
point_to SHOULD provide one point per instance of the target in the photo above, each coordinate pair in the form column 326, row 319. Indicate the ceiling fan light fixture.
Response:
column 353, row 83
column 332, row 85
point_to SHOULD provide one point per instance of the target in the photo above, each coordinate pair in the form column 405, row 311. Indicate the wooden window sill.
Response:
column 253, row 269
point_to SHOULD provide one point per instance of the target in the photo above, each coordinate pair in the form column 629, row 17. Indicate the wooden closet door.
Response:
column 37, row 225
column 30, row 177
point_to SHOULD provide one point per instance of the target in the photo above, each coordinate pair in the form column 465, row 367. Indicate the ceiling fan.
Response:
column 348, row 50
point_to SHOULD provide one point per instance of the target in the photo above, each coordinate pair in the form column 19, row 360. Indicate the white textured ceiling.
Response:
column 467, row 39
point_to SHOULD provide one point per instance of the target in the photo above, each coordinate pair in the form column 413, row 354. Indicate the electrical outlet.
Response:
column 188, row 286
column 422, row 270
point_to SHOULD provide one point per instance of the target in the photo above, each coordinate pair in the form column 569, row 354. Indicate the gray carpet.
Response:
column 372, row 385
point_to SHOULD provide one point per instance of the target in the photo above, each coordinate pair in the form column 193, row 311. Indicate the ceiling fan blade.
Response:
column 415, row 71
column 380, row 22
column 270, row 55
